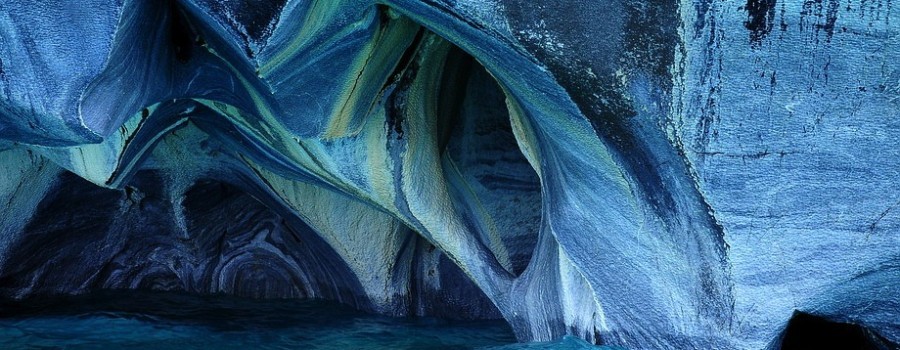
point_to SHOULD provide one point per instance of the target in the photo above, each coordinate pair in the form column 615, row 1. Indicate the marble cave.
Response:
column 637, row 174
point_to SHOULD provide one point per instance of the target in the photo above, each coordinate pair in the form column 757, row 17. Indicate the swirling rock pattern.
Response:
column 650, row 174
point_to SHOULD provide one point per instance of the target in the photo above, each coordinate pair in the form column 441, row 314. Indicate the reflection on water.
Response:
column 177, row 321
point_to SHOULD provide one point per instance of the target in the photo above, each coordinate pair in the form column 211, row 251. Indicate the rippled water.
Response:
column 176, row 321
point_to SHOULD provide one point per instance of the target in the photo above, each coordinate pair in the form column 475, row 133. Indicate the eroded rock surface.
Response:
column 647, row 174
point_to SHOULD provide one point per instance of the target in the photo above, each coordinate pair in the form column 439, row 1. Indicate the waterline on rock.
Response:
column 155, row 320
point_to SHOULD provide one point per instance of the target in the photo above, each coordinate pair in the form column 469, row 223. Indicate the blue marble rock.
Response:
column 643, row 174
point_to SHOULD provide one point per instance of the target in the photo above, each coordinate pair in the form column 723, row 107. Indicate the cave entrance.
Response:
column 493, row 183
column 221, row 239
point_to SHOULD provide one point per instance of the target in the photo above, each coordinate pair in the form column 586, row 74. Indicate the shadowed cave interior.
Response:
column 224, row 234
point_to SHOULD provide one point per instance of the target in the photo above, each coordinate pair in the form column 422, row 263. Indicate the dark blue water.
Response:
column 177, row 321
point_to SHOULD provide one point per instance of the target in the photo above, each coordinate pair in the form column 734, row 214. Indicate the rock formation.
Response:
column 646, row 174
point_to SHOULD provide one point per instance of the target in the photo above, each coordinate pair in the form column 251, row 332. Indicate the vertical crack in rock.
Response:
column 820, row 15
column 398, row 84
column 181, row 34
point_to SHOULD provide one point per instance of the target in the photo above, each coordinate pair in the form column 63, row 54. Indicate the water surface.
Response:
column 177, row 321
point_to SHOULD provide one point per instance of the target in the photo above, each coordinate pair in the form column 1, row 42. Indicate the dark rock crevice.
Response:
column 760, row 19
column 807, row 331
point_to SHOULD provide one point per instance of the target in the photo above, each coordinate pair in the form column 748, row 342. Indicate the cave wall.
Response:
column 649, row 174
column 794, row 150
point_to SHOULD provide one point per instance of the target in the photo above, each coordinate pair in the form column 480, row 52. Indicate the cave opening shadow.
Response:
column 806, row 331
column 492, row 183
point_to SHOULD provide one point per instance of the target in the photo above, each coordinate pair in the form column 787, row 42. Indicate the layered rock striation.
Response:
column 648, row 174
